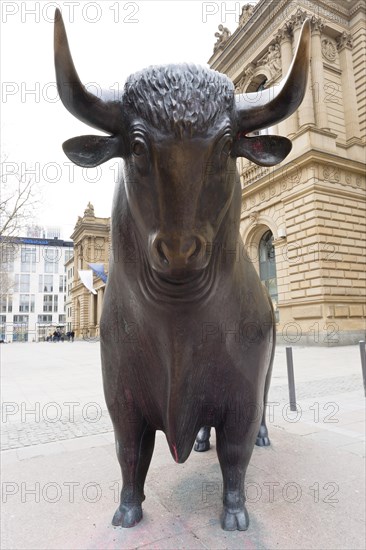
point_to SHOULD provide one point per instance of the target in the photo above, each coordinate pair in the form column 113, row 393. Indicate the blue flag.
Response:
column 98, row 269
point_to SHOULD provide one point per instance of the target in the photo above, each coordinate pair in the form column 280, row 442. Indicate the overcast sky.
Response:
column 109, row 41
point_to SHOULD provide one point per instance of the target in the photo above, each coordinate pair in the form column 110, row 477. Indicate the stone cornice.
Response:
column 326, row 189
column 271, row 194
column 358, row 5
column 324, row 299
column 307, row 159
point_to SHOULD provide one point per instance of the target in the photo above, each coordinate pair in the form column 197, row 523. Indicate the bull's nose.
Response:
column 174, row 253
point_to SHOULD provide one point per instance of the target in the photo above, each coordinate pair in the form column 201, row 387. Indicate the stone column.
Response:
column 76, row 262
column 74, row 314
column 91, row 253
column 306, row 109
column 91, row 311
column 289, row 126
column 84, row 313
column 317, row 72
column 344, row 45
column 99, row 305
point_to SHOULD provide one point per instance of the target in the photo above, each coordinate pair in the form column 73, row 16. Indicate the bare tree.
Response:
column 17, row 202
column 18, row 199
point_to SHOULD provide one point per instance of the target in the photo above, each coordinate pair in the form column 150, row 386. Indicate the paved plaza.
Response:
column 61, row 479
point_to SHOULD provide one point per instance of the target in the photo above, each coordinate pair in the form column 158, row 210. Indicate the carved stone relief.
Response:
column 344, row 40
column 331, row 174
column 272, row 60
column 329, row 49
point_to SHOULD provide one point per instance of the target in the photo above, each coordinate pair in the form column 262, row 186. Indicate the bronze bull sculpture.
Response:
column 187, row 329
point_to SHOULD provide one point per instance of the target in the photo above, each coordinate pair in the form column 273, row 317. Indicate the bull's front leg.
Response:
column 135, row 441
column 234, row 452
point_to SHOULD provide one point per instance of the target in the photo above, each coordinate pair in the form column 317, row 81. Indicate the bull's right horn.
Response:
column 103, row 114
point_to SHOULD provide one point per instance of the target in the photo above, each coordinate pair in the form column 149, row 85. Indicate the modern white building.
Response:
column 33, row 293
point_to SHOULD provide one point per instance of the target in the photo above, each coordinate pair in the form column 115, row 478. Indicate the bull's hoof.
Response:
column 202, row 446
column 127, row 516
column 262, row 437
column 262, row 441
column 203, row 440
column 235, row 521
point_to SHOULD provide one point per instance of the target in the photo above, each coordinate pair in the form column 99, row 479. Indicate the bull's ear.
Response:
column 263, row 150
column 90, row 151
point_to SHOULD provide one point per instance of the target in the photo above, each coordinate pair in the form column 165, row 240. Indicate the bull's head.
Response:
column 179, row 129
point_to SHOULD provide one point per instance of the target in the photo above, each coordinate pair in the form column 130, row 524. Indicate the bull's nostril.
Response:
column 194, row 249
column 177, row 253
column 163, row 251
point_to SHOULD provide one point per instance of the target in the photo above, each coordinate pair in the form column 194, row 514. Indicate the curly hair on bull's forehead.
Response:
column 183, row 99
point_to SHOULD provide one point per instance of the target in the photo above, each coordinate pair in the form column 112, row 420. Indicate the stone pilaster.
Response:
column 351, row 118
column 317, row 72
column 289, row 126
column 306, row 109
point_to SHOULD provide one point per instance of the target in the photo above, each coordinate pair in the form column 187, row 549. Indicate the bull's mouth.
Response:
column 179, row 277
column 178, row 285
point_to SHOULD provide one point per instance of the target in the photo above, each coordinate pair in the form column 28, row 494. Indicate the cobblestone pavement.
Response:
column 61, row 479
column 23, row 434
column 15, row 435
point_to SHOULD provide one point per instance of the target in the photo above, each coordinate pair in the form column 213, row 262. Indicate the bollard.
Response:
column 363, row 363
column 291, row 379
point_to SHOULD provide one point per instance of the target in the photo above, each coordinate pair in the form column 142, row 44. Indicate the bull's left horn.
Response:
column 99, row 113
column 257, row 110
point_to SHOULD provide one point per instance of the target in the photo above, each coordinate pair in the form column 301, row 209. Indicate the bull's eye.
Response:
column 138, row 148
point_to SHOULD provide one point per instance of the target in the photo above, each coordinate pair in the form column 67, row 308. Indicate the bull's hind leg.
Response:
column 134, row 444
column 203, row 439
column 234, row 453
column 262, row 437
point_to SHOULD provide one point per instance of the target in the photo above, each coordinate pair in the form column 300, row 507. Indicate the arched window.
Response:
column 267, row 266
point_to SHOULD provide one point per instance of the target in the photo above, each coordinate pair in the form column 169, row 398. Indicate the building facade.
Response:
column 33, row 287
column 91, row 238
column 303, row 221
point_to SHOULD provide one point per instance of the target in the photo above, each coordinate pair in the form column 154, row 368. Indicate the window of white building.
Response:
column 45, row 283
column 26, row 303
column 28, row 259
column 44, row 319
column 47, row 302
column 22, row 283
column 62, row 283
column 51, row 259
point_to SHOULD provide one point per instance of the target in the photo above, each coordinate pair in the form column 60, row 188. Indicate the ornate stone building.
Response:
column 303, row 221
column 91, row 239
